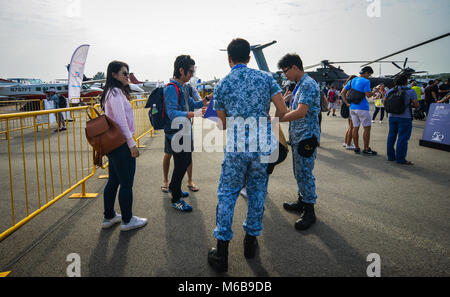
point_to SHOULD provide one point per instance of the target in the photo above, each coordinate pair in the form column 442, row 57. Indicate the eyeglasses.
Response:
column 286, row 70
column 125, row 73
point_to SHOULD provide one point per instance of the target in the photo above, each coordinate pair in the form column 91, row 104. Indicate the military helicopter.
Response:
column 331, row 75
column 335, row 76
column 327, row 74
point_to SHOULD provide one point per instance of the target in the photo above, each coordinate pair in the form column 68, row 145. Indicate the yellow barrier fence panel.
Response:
column 41, row 161
column 4, row 274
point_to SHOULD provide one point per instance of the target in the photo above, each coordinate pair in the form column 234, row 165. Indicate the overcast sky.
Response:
column 38, row 37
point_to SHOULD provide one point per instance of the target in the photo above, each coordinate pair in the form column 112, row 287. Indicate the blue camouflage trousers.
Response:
column 303, row 168
column 239, row 169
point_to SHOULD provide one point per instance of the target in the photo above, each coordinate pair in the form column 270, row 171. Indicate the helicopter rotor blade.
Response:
column 397, row 66
column 409, row 48
column 406, row 61
column 312, row 66
column 358, row 62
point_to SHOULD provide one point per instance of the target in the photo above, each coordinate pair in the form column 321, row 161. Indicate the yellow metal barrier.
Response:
column 42, row 166
column 47, row 163
column 17, row 106
column 91, row 101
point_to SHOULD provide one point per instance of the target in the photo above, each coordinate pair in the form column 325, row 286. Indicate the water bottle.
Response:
column 154, row 109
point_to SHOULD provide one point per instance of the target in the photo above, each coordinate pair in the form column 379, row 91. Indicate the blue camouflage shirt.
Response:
column 245, row 95
column 307, row 93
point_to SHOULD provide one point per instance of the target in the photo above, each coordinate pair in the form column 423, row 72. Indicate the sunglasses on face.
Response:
column 125, row 73
column 286, row 70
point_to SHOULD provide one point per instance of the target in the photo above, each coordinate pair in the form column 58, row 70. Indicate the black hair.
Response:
column 290, row 60
column 366, row 69
column 239, row 50
column 431, row 82
column 111, row 82
column 401, row 80
column 183, row 61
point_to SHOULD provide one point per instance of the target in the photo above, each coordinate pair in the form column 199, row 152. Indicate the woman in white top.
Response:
column 122, row 161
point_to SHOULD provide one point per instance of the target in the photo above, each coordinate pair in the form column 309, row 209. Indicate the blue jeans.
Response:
column 377, row 109
column 399, row 130
column 121, row 172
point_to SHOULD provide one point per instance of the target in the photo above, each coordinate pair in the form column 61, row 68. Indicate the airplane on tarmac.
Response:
column 23, row 88
column 147, row 86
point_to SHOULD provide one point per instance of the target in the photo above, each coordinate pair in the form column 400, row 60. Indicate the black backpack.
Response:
column 418, row 114
column 157, row 113
column 62, row 103
column 395, row 101
column 345, row 111
column 355, row 96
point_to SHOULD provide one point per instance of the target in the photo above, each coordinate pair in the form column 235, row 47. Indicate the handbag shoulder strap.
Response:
column 96, row 111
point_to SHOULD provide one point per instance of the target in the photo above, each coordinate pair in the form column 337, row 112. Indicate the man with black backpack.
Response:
column 356, row 93
column 179, row 107
column 399, row 102
column 333, row 97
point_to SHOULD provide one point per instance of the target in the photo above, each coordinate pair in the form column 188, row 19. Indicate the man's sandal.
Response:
column 165, row 189
column 193, row 188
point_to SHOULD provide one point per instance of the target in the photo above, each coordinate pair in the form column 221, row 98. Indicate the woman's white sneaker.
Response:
column 134, row 223
column 111, row 222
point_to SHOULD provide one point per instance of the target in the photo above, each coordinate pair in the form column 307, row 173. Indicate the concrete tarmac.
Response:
column 365, row 205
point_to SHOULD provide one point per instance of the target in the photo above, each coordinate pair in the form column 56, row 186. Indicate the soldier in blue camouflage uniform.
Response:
column 243, row 94
column 304, row 132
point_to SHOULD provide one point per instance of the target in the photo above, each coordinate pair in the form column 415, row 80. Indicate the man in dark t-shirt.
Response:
column 431, row 94
column 444, row 89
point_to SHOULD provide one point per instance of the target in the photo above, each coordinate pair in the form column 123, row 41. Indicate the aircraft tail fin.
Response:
column 259, row 55
column 134, row 80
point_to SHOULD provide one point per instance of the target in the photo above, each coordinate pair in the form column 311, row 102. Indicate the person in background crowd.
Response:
column 444, row 90
column 431, row 94
column 360, row 112
column 349, row 134
column 53, row 97
column 400, row 125
column 378, row 99
column 446, row 99
column 418, row 91
column 422, row 102
column 333, row 99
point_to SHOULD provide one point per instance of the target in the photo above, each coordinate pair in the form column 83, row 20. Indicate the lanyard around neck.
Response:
column 239, row 66
column 293, row 94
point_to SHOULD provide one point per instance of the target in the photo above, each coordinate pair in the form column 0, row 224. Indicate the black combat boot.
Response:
column 218, row 257
column 308, row 219
column 297, row 206
column 250, row 245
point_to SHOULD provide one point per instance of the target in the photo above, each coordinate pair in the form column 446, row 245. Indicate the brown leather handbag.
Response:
column 104, row 135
